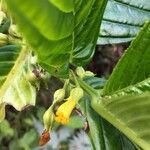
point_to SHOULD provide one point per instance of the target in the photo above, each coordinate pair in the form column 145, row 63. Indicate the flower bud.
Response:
column 48, row 119
column 80, row 72
column 59, row 95
column 76, row 93
column 89, row 74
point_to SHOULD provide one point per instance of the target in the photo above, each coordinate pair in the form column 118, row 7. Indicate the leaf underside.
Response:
column 122, row 20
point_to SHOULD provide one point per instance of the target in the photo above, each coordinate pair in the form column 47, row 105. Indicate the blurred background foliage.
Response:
column 21, row 131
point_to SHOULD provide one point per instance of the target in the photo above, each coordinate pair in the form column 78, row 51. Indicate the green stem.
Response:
column 66, row 84
column 75, row 79
column 91, row 91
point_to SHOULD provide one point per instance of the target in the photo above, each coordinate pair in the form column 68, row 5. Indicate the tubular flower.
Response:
column 64, row 111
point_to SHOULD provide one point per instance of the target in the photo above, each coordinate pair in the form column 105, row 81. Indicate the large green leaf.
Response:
column 58, row 33
column 65, row 5
column 122, row 20
column 85, row 36
column 130, row 114
column 102, row 134
column 15, row 89
column 138, row 88
column 134, row 65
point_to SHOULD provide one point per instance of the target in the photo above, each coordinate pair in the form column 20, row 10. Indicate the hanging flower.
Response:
column 64, row 111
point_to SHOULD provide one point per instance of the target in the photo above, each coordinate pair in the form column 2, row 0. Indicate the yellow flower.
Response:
column 64, row 111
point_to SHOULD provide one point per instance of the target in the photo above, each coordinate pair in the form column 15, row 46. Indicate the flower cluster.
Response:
column 63, row 112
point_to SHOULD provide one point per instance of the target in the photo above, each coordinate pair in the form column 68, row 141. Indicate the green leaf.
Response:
column 122, row 20
column 15, row 89
column 138, row 88
column 86, row 25
column 133, row 66
column 130, row 114
column 50, row 34
column 76, row 122
column 5, row 129
column 28, row 139
column 57, row 34
column 102, row 134
column 51, row 23
column 95, row 82
column 65, row 5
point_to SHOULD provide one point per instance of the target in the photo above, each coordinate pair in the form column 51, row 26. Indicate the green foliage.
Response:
column 76, row 122
column 12, row 135
column 8, row 56
column 130, row 114
column 122, row 20
column 66, row 5
column 14, row 68
column 102, row 134
column 28, row 139
column 59, row 37
column 134, row 65
column 15, row 64
column 63, row 35
column 138, row 88
column 5, row 129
